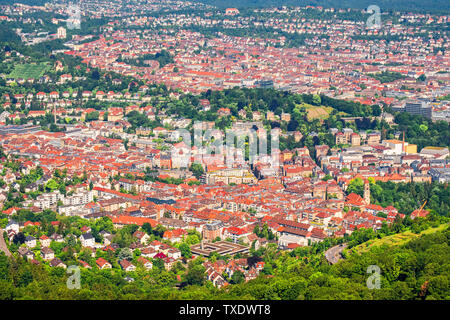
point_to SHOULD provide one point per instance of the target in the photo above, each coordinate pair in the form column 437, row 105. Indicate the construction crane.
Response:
column 423, row 205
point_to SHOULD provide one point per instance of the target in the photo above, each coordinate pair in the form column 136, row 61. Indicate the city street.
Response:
column 3, row 246
column 333, row 254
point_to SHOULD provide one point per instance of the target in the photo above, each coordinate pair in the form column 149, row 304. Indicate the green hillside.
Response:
column 396, row 239
column 416, row 269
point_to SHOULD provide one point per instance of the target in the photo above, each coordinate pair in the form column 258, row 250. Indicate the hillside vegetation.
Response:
column 403, row 5
column 416, row 269
column 396, row 239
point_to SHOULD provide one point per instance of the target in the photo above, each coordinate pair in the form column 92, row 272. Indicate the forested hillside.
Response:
column 417, row 269
column 401, row 5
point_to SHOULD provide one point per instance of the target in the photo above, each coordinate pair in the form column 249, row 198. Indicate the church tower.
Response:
column 366, row 192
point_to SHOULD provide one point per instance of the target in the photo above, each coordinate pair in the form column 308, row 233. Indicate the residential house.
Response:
column 56, row 262
column 127, row 265
column 146, row 263
column 87, row 240
column 45, row 241
column 47, row 253
column 141, row 236
column 103, row 264
column 30, row 242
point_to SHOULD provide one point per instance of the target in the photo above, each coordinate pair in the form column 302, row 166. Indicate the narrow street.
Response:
column 333, row 254
column 3, row 246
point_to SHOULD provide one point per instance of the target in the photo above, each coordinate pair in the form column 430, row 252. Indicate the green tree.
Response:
column 197, row 170
column 185, row 250
column 317, row 100
column 125, row 254
column 237, row 277
column 356, row 186
column 196, row 275
column 147, row 228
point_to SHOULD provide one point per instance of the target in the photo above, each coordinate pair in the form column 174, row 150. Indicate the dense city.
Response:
column 177, row 150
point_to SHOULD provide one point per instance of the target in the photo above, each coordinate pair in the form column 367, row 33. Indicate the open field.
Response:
column 26, row 71
column 315, row 112
column 396, row 239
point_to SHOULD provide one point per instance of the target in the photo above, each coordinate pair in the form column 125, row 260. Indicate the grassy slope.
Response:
column 315, row 112
column 26, row 71
column 318, row 112
column 396, row 239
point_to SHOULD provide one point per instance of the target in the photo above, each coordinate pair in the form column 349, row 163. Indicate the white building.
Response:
column 87, row 240
column 61, row 33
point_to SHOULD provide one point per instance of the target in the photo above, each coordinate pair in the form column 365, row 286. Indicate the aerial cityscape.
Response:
column 224, row 150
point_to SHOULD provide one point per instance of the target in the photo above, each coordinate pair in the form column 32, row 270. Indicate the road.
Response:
column 334, row 254
column 3, row 246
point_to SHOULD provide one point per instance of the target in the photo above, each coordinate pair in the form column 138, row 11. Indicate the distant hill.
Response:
column 398, row 5
column 27, row 2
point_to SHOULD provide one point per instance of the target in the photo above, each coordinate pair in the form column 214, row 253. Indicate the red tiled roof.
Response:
column 133, row 220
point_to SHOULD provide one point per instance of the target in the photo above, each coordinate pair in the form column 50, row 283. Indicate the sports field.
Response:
column 26, row 71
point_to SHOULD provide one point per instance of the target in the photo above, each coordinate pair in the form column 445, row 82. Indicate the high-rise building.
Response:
column 420, row 108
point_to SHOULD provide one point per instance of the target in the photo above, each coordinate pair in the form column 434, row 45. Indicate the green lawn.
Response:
column 27, row 71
